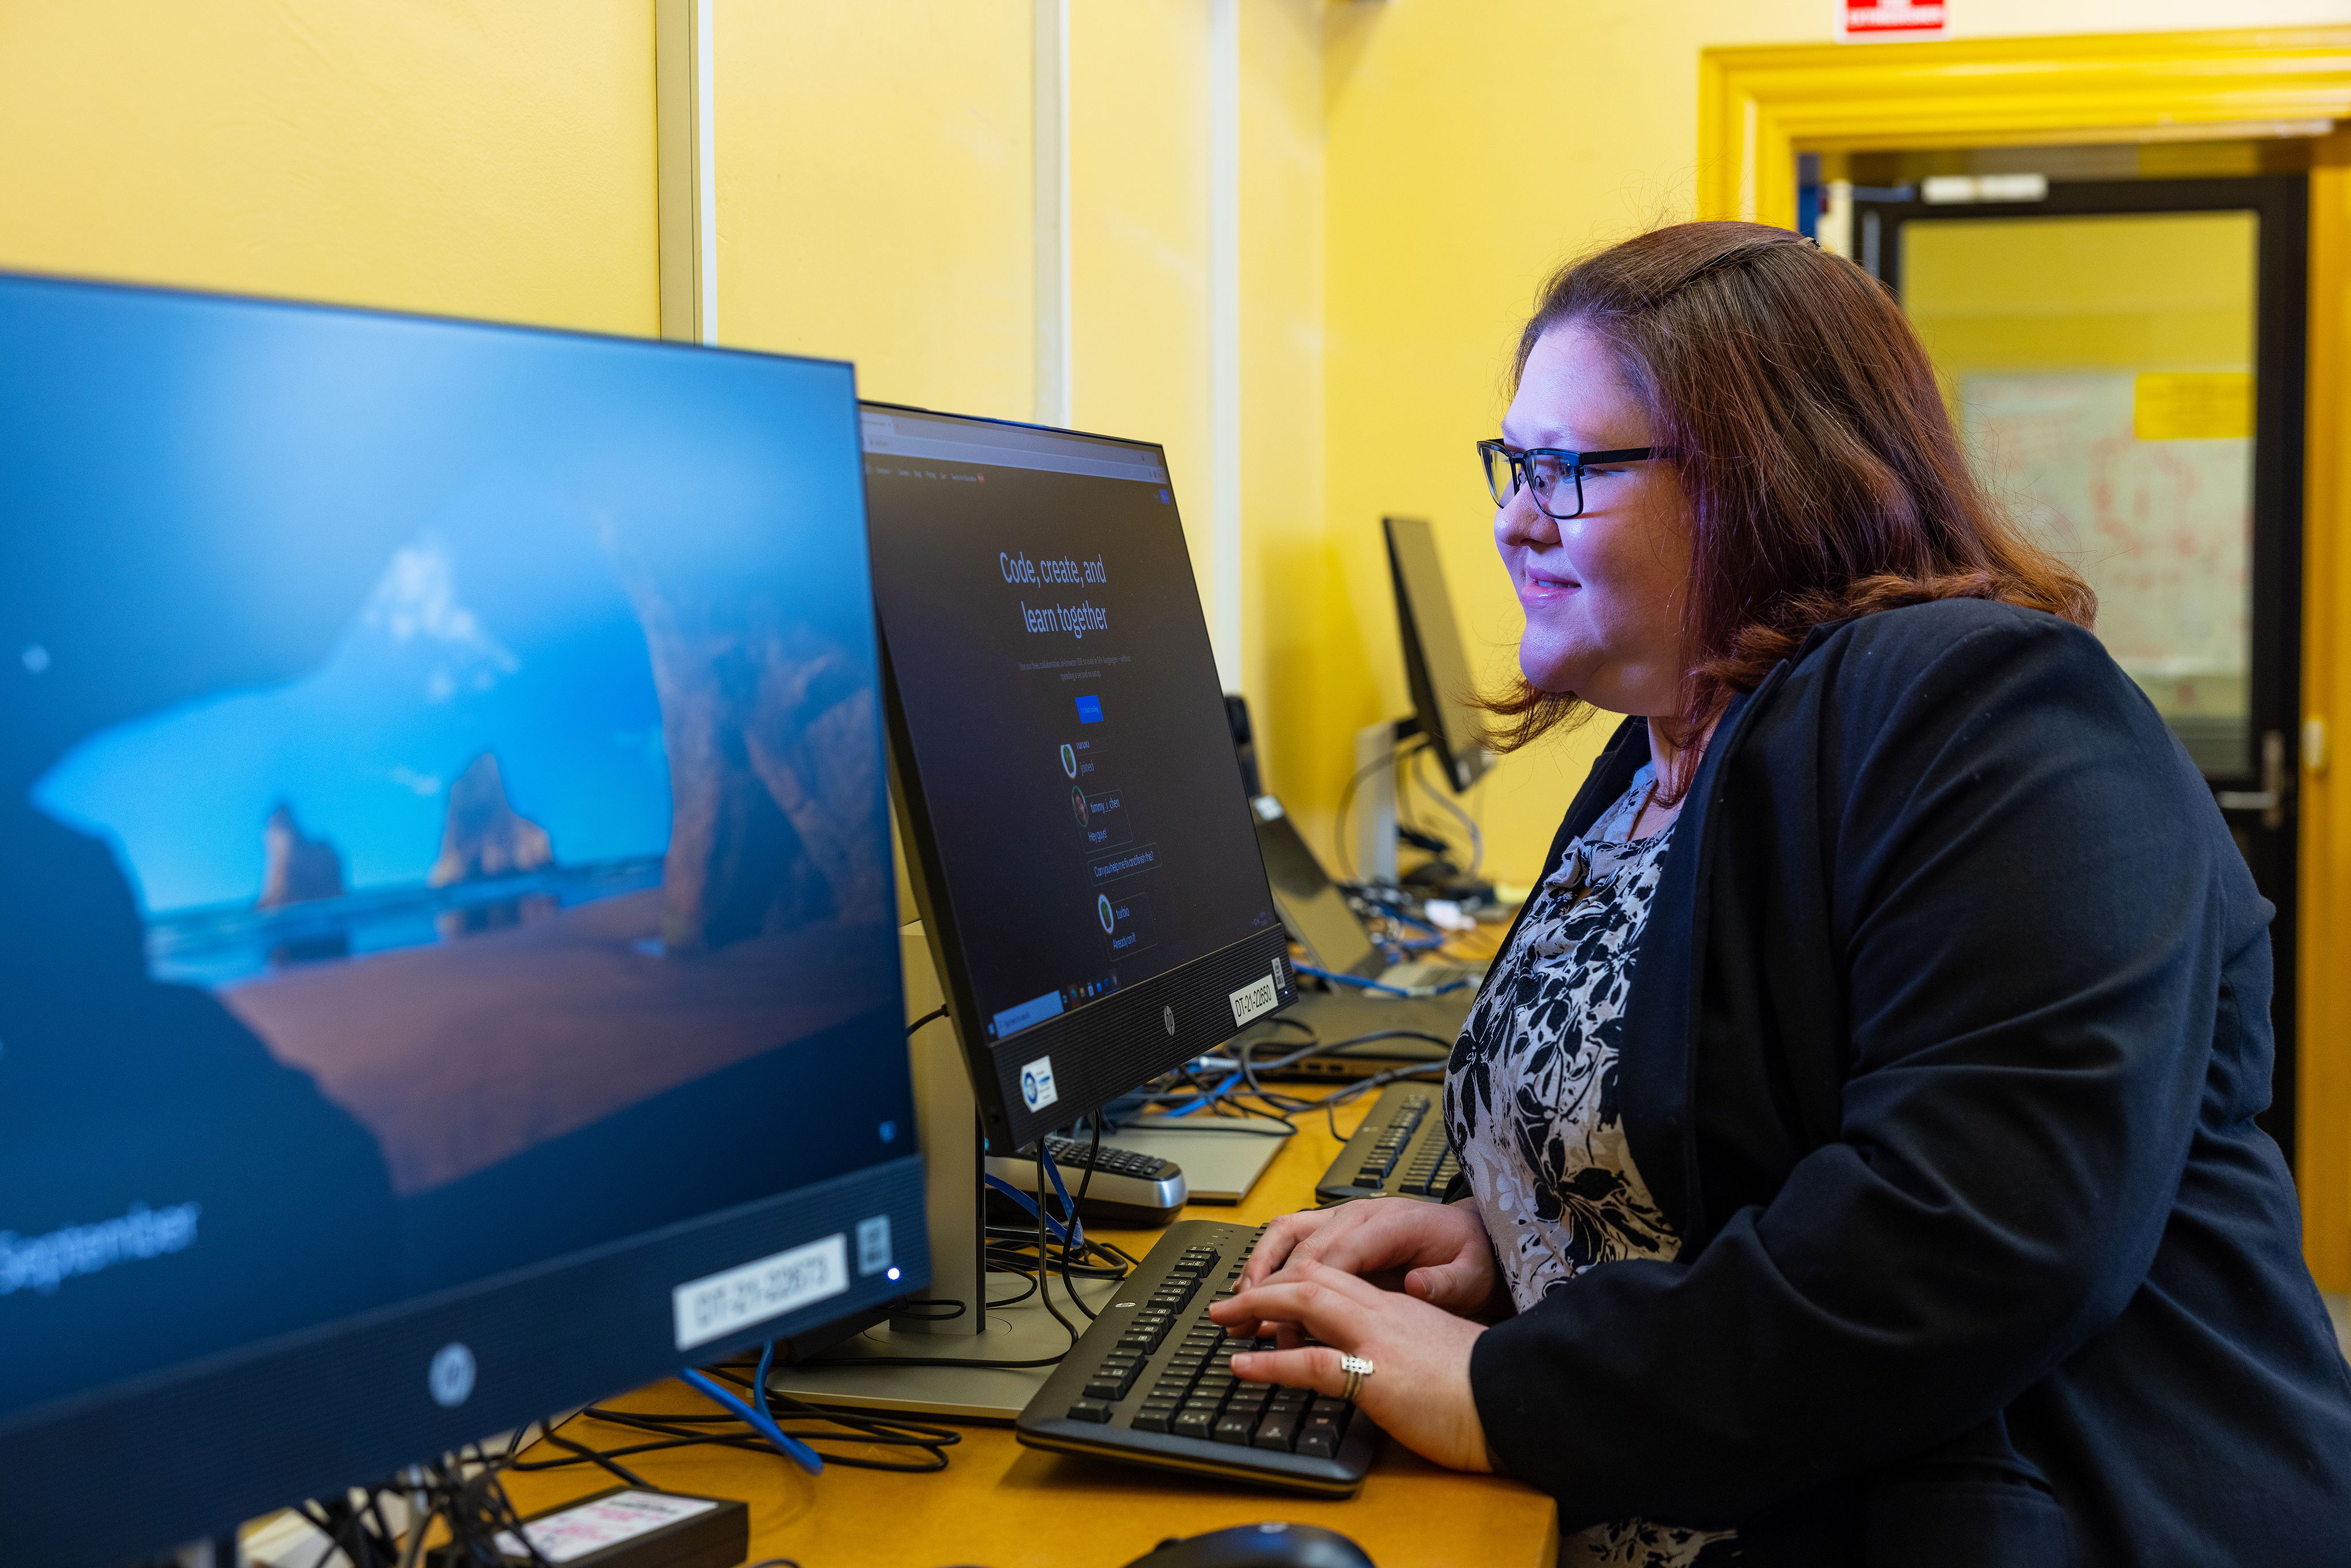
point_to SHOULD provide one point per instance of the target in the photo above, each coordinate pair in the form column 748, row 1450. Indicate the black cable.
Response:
column 602, row 1461
column 686, row 1431
column 899, row 1310
column 1044, row 1268
column 937, row 1012
column 1014, row 1300
column 1077, row 1226
column 1476, row 837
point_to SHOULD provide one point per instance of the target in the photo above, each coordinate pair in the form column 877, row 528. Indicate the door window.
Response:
column 2100, row 369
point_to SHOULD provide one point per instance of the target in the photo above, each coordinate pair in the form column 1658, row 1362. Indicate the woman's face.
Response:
column 1604, row 592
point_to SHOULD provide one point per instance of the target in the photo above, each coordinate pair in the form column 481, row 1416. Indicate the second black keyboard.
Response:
column 1151, row 1383
column 1400, row 1148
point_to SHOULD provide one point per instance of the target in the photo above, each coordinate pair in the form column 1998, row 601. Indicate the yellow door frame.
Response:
column 1757, row 106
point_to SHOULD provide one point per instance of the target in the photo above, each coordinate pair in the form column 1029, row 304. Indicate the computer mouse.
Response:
column 1273, row 1544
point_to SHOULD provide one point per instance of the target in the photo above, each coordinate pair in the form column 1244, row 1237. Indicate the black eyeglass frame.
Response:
column 1502, row 461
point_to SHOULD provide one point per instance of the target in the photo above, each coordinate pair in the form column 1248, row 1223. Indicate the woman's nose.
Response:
column 1522, row 522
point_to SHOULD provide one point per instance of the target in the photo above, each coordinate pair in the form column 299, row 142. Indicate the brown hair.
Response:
column 1824, row 477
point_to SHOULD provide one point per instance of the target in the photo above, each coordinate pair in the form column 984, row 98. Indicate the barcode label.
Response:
column 1257, row 997
column 717, row 1304
column 586, row 1530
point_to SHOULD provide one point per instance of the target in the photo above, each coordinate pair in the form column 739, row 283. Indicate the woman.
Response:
column 1858, row 1120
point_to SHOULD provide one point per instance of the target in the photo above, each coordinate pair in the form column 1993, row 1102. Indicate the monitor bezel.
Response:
column 195, row 1448
column 1104, row 1049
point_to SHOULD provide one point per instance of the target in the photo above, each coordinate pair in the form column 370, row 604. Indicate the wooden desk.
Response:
column 1003, row 1505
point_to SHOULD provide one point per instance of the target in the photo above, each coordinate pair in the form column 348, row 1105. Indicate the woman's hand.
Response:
column 1419, row 1391
column 1434, row 1252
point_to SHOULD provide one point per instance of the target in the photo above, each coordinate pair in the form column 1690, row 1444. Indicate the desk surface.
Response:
column 1003, row 1505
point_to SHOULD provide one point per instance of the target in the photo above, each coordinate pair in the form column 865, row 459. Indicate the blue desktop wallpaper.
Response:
column 420, row 684
column 442, row 812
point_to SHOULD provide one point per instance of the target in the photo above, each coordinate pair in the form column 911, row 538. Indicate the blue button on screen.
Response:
column 1089, row 710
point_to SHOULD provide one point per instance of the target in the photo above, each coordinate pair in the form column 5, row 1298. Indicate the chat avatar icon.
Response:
column 1105, row 914
column 1069, row 760
column 1078, row 804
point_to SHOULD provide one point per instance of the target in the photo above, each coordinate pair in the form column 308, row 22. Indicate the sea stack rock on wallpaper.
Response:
column 484, row 836
column 297, row 868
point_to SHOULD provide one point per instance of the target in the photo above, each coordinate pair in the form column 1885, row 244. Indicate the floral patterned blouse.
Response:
column 1530, row 1100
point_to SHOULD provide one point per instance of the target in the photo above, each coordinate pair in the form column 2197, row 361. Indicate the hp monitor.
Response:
column 448, row 969
column 1080, row 843
column 1436, row 665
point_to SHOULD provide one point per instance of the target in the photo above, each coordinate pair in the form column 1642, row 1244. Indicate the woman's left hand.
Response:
column 1419, row 1391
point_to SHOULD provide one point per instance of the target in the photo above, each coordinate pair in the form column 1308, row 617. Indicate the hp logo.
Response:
column 1168, row 1016
column 451, row 1376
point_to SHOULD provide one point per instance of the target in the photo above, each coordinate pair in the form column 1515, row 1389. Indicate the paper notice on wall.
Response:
column 2161, row 528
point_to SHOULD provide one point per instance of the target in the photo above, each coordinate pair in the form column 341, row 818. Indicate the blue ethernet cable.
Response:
column 998, row 1183
column 791, row 1448
column 1359, row 981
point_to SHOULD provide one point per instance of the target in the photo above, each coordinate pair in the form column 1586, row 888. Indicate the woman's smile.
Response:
column 1541, row 585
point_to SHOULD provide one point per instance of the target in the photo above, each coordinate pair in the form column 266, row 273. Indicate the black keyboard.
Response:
column 1401, row 1148
column 1151, row 1383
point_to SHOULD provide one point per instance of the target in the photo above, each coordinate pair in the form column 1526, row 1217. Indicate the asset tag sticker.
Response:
column 1257, row 997
column 717, row 1304
column 591, row 1527
column 1036, row 1090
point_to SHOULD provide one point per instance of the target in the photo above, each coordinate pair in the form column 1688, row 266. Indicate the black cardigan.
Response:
column 1943, row 1050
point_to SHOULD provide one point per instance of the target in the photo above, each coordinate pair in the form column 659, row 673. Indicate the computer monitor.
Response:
column 1312, row 907
column 448, row 969
column 1080, row 843
column 1436, row 665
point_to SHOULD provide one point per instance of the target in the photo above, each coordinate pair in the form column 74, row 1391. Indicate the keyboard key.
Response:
column 1337, row 1409
column 1153, row 1417
column 1236, row 1426
column 1113, row 1389
column 1090, row 1410
column 1194, row 1422
column 1277, row 1429
column 1318, row 1438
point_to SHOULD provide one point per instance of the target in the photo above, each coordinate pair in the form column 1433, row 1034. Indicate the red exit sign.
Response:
column 1891, row 19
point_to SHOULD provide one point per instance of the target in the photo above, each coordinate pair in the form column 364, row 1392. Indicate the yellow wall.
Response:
column 1281, row 390
column 873, row 193
column 433, row 155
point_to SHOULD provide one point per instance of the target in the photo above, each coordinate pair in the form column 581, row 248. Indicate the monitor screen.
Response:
column 450, row 924
column 1084, row 854
column 1435, row 664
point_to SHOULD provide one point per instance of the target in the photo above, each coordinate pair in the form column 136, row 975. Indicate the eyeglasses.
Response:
column 1555, row 478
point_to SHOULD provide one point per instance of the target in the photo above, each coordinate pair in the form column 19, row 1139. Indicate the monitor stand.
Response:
column 1375, row 805
column 871, row 1370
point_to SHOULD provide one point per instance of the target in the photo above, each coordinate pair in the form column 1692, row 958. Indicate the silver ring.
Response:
column 1357, row 1368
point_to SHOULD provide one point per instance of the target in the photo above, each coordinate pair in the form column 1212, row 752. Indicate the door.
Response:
column 2125, row 361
